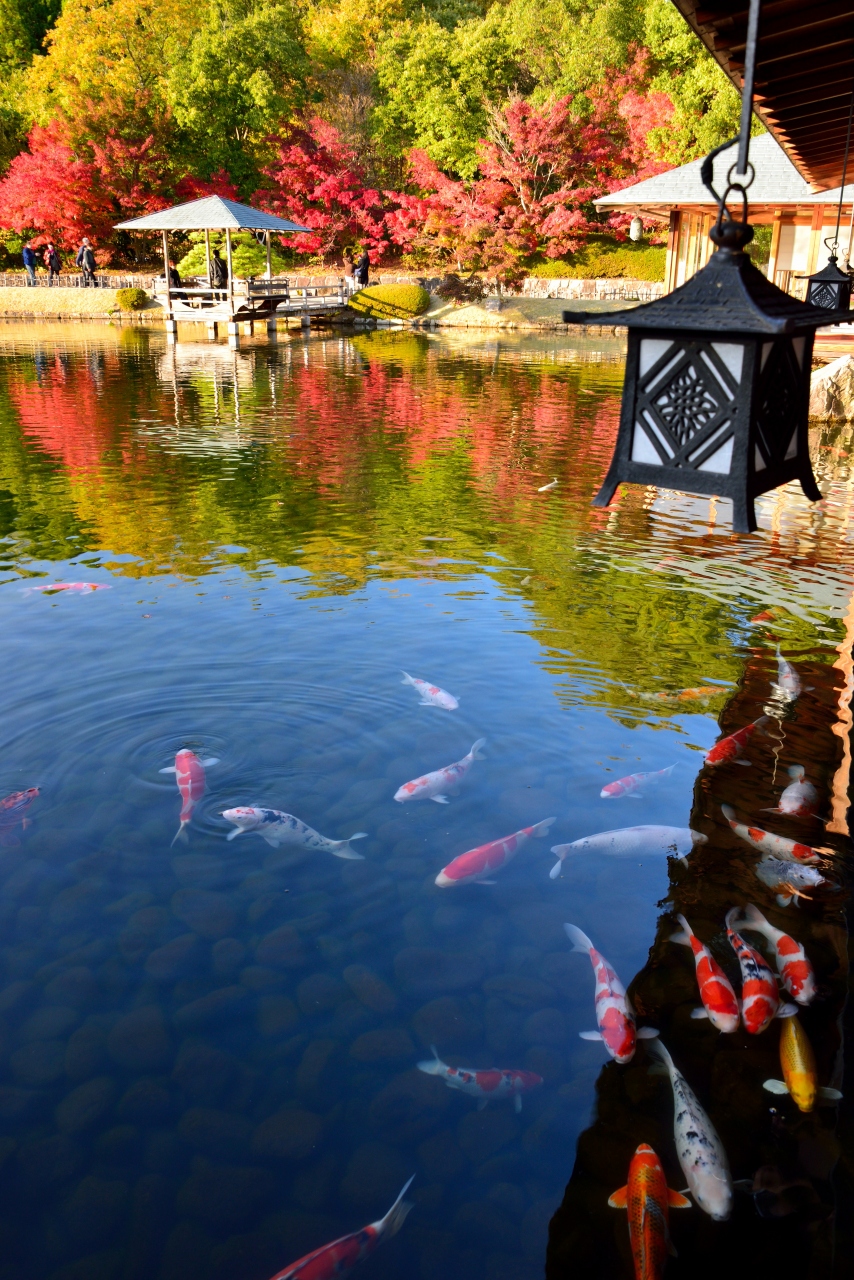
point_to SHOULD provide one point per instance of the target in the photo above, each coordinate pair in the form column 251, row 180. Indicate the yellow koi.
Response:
column 799, row 1070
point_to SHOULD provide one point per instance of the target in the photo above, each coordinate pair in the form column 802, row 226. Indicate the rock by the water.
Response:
column 832, row 390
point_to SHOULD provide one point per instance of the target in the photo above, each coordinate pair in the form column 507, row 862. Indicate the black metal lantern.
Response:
column 717, row 385
column 830, row 287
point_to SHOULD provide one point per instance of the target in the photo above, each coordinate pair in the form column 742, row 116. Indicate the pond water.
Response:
column 209, row 1049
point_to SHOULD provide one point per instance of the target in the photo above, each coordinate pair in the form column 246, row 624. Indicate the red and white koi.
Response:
column 614, row 1013
column 795, row 970
column 476, row 865
column 698, row 1147
column 431, row 694
column 720, row 1005
column 85, row 588
column 647, row 1198
column 487, row 1085
column 799, row 800
column 773, row 846
column 633, row 784
column 12, row 809
column 189, row 773
column 787, row 879
column 338, row 1258
column 632, row 842
column 731, row 747
column 435, row 785
column 279, row 828
column 760, row 996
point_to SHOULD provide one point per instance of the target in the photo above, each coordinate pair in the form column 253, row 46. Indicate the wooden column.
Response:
column 166, row 275
column 269, row 257
column 672, row 252
column 208, row 255
column 230, row 272
column 775, row 244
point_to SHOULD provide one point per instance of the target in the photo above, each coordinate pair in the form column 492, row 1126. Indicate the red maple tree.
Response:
column 317, row 180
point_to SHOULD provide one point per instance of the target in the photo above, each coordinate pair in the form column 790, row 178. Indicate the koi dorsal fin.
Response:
column 619, row 1200
column 676, row 1200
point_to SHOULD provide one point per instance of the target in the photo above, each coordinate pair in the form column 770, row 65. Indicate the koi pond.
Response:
column 218, row 1055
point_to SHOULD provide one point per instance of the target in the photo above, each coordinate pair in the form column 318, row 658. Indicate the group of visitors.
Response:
column 49, row 258
column 356, row 273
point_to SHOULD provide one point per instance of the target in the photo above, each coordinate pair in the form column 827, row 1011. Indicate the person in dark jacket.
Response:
column 363, row 266
column 29, row 256
column 52, row 262
column 219, row 271
column 86, row 262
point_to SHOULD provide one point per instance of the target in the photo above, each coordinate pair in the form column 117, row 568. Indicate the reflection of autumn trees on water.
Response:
column 340, row 456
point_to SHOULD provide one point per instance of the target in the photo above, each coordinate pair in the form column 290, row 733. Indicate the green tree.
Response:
column 243, row 72
column 436, row 92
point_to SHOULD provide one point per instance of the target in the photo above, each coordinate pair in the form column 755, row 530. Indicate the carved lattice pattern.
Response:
column 690, row 407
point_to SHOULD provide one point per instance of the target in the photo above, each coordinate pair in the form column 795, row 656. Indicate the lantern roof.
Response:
column 727, row 296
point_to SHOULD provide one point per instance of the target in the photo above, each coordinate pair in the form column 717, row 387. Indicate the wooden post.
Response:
column 208, row 255
column 775, row 245
column 269, row 258
column 166, row 275
column 671, row 257
column 230, row 273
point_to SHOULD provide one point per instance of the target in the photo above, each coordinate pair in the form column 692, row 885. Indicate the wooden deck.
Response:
column 248, row 300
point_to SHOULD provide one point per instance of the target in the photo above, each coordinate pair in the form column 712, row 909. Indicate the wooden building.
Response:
column 800, row 217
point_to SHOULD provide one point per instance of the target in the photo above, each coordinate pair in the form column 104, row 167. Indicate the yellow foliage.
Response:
column 115, row 48
column 348, row 30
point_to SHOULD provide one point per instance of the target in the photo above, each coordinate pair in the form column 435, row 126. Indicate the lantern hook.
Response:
column 727, row 233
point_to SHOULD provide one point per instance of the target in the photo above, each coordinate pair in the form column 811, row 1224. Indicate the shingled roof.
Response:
column 777, row 182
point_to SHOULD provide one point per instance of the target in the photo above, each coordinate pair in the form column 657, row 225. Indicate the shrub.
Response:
column 391, row 301
column 461, row 291
column 247, row 254
column 131, row 299
column 603, row 259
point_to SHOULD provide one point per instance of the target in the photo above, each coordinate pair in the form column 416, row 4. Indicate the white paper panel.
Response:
column 643, row 450
column 732, row 355
column 720, row 460
column 651, row 351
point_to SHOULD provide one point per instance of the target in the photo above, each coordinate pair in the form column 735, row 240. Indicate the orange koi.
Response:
column 800, row 1076
column 647, row 1198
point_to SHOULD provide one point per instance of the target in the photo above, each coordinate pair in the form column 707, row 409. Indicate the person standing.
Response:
column 363, row 267
column 52, row 263
column 29, row 256
column 86, row 262
column 349, row 273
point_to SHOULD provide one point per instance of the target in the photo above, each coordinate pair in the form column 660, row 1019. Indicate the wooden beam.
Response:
column 208, row 255
column 166, row 274
column 230, row 270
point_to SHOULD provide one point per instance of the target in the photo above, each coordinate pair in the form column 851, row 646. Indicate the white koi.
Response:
column 788, row 686
column 787, row 879
column 433, row 786
column 431, row 694
column 632, row 842
column 484, row 1083
column 279, row 828
column 799, row 799
column 698, row 1147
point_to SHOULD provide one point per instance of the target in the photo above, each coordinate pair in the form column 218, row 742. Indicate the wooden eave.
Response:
column 804, row 72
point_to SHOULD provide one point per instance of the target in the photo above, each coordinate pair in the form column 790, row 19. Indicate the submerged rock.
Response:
column 94, row 1208
column 320, row 993
column 282, row 949
column 482, row 1133
column 39, row 1063
column 86, row 1051
column 86, row 1105
column 288, row 1135
column 277, row 1015
column 48, row 1023
column 227, row 956
column 368, row 987
column 203, row 1072
column 217, row 1006
column 168, row 962
column 146, row 1102
column 375, row 1174
column 205, row 912
column 386, row 1044
column 216, row 1133
column 75, row 986
column 446, row 1021
column 428, row 971
column 140, row 1041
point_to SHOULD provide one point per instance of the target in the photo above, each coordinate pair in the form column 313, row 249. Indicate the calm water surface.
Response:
column 208, row 1050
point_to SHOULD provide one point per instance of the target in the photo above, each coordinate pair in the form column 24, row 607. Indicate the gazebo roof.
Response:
column 777, row 182
column 211, row 213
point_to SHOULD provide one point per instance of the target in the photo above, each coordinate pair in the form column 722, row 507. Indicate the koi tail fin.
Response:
column 540, row 829
column 341, row 848
column 579, row 940
column 432, row 1066
column 751, row 918
column 796, row 772
column 396, row 1216
column 683, row 935
column 731, row 919
column 181, row 834
column 561, row 850
column 728, row 812
column 407, row 678
column 476, row 753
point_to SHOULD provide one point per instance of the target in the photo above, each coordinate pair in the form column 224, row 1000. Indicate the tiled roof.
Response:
column 777, row 182
column 211, row 212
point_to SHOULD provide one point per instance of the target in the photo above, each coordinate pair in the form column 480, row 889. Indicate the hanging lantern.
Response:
column 830, row 287
column 716, row 394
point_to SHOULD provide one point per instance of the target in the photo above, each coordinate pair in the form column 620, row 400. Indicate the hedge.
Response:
column 602, row 259
column 391, row 301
